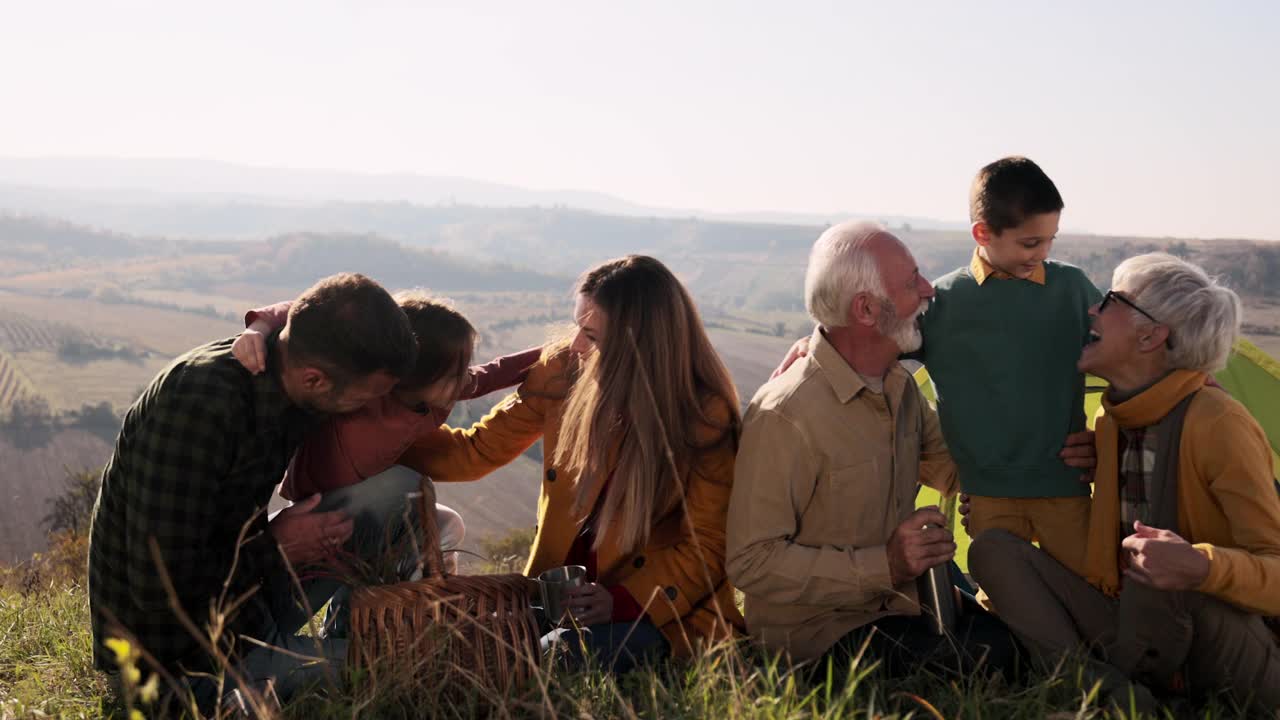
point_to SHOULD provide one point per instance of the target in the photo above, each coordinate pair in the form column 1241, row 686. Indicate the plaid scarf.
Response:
column 1137, row 465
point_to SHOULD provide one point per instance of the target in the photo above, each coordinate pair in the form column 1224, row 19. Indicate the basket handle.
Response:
column 431, row 557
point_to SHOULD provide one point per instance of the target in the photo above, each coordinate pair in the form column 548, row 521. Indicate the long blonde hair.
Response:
column 641, row 398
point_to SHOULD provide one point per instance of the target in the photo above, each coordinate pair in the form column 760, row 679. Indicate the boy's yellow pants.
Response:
column 1059, row 524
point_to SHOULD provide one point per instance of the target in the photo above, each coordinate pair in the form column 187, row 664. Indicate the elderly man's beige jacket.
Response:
column 826, row 469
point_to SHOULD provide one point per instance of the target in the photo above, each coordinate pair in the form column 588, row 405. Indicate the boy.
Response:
column 1001, row 343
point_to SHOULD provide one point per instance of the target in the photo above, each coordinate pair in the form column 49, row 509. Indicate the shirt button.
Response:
column 671, row 593
column 551, row 474
column 638, row 562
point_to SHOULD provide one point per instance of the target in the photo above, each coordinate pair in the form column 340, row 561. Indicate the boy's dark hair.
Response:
column 350, row 327
column 1010, row 190
column 445, row 339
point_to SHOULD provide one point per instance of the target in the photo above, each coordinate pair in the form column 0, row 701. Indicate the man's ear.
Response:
column 316, row 381
column 863, row 310
column 981, row 233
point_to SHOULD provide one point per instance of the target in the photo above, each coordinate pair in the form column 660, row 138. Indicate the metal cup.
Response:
column 937, row 597
column 555, row 584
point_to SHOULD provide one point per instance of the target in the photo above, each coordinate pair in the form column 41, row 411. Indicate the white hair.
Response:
column 1203, row 316
column 841, row 265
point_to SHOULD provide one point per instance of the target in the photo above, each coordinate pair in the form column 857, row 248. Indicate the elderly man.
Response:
column 1183, row 555
column 823, row 537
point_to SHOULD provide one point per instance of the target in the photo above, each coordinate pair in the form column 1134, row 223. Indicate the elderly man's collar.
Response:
column 845, row 382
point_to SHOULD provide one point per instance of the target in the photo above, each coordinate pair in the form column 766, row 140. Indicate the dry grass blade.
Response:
column 929, row 708
column 211, row 643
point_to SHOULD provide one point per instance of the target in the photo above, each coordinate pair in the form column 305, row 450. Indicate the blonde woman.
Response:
column 640, row 423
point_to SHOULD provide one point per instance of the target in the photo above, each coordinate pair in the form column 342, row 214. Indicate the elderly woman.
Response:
column 1183, row 553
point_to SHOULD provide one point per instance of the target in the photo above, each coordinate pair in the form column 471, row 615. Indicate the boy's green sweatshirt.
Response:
column 1002, row 356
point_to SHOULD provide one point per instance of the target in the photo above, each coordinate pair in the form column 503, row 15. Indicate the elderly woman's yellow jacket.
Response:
column 678, row 577
column 1227, row 503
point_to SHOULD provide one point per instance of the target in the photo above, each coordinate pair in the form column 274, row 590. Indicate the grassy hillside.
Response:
column 46, row 671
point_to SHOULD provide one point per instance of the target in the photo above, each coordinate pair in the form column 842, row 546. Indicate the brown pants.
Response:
column 1146, row 636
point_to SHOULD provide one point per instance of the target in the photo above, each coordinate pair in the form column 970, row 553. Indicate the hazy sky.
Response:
column 1155, row 118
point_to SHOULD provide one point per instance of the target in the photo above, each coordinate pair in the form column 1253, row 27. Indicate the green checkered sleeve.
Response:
column 168, row 483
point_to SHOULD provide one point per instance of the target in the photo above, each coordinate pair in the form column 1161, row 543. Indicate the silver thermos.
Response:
column 937, row 597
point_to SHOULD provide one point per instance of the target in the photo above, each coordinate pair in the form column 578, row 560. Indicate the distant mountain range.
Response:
column 127, row 194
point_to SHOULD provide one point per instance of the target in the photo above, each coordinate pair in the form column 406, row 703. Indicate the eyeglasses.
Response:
column 1113, row 295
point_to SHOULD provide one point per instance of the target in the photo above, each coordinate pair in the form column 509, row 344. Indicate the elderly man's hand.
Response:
column 1079, row 452
column 914, row 548
column 1163, row 560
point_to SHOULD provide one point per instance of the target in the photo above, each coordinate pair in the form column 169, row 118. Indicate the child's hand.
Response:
column 251, row 350
column 963, row 510
column 797, row 351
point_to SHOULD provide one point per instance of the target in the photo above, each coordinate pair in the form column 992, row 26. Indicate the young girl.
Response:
column 640, row 422
column 347, row 449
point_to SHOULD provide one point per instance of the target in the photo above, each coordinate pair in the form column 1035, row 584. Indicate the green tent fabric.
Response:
column 1251, row 376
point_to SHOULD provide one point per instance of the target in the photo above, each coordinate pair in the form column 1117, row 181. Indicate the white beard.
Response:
column 906, row 332
column 908, row 336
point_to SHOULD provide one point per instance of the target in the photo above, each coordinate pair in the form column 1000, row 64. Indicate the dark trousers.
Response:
column 1144, row 639
column 617, row 647
column 903, row 644
column 291, row 661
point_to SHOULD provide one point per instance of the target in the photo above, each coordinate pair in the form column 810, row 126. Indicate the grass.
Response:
column 46, row 650
column 46, row 657
column 46, row 671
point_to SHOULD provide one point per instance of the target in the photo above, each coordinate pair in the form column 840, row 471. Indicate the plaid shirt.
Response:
column 196, row 459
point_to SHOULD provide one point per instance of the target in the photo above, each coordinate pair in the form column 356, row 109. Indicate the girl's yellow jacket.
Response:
column 679, row 576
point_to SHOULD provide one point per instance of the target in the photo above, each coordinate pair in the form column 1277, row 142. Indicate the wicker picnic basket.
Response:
column 479, row 629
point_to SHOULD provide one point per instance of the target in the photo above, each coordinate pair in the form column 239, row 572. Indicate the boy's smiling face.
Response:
column 1018, row 250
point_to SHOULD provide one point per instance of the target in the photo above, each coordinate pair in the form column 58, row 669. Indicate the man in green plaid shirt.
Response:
column 195, row 465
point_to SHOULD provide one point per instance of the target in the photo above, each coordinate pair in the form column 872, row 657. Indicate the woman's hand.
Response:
column 1163, row 559
column 251, row 348
column 1078, row 451
column 590, row 604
